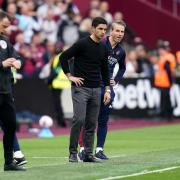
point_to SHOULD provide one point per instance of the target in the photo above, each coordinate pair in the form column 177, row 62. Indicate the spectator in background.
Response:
column 153, row 59
column 19, row 41
column 93, row 13
column 68, row 30
column 72, row 6
column 164, row 78
column 49, row 27
column 144, row 67
column 12, row 9
column 32, row 8
column 57, row 82
column 131, row 64
column 104, row 8
column 28, row 67
column 33, row 55
column 94, row 4
column 56, row 79
column 37, row 50
column 62, row 5
column 42, row 10
column 130, row 35
column 85, row 28
column 50, row 51
column 13, row 29
column 118, row 16
column 27, row 23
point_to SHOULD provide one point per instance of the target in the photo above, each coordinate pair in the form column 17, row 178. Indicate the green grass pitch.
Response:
column 130, row 151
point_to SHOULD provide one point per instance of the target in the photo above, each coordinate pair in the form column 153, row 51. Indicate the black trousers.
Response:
column 56, row 96
column 8, row 118
column 166, row 108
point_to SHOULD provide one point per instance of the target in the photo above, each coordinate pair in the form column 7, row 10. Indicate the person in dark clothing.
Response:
column 90, row 63
column 18, row 156
column 116, row 55
column 164, row 79
column 9, row 58
column 144, row 66
column 58, row 82
column 55, row 81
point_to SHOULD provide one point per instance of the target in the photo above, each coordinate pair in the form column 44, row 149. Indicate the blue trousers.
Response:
column 103, row 119
column 16, row 146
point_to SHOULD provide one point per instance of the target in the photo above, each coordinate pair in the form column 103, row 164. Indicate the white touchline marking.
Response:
column 116, row 156
column 141, row 173
column 59, row 157
column 52, row 157
column 48, row 165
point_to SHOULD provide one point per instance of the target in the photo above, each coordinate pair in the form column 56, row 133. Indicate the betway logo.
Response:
column 143, row 96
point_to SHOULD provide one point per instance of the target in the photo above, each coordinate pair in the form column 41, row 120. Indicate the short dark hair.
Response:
column 98, row 20
column 122, row 23
column 4, row 14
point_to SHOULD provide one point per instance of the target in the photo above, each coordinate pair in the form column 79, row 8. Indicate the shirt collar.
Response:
column 109, row 44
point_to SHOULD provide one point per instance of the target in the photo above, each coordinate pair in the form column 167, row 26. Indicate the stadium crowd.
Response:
column 41, row 27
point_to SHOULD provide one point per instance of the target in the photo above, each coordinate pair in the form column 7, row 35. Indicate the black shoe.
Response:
column 101, row 155
column 73, row 158
column 13, row 167
column 20, row 161
column 90, row 158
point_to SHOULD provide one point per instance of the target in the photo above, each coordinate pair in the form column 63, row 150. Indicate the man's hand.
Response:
column 112, row 82
column 8, row 62
column 16, row 64
column 107, row 97
column 77, row 80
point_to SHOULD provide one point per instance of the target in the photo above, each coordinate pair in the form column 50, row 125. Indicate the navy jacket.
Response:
column 116, row 55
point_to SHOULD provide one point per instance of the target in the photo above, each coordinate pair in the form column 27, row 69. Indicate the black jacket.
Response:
column 6, row 51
